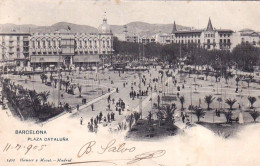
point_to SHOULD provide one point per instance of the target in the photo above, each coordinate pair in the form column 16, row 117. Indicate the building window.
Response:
column 43, row 43
column 80, row 43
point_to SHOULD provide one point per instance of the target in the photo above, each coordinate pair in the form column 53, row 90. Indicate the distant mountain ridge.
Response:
column 137, row 27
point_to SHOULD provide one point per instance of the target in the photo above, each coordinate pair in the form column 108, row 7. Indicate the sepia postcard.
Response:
column 129, row 83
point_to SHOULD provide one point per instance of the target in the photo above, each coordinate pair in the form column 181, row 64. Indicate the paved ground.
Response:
column 193, row 91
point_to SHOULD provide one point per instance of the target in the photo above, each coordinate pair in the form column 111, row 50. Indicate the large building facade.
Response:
column 209, row 38
column 14, row 49
column 62, row 46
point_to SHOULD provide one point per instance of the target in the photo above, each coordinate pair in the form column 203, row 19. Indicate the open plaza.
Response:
column 153, row 102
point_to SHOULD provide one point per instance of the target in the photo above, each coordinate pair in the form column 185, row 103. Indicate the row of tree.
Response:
column 29, row 103
column 245, row 56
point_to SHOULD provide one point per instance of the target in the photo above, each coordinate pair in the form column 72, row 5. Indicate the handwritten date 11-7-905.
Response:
column 23, row 148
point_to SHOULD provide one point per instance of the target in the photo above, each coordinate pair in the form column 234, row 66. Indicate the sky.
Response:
column 223, row 14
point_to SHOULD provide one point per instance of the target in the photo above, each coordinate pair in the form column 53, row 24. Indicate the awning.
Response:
column 45, row 58
column 86, row 58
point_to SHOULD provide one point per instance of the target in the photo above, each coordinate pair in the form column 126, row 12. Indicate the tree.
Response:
column 44, row 96
column 255, row 114
column 43, row 77
column 136, row 116
column 34, row 101
column 252, row 100
column 249, row 79
column 169, row 113
column 182, row 100
column 230, row 102
column 159, row 117
column 228, row 115
column 149, row 118
column 208, row 100
column 199, row 112
column 246, row 56
column 227, row 76
column 130, row 120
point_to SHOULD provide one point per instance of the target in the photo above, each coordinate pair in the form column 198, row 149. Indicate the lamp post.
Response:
column 59, row 80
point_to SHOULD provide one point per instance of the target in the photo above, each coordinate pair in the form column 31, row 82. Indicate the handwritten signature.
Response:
column 111, row 147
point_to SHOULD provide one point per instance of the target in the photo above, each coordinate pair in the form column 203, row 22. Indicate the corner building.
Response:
column 71, row 49
column 208, row 38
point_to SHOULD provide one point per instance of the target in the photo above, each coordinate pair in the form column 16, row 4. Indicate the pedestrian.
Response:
column 97, row 119
column 183, row 118
column 81, row 120
column 91, row 121
column 89, row 126
column 108, row 118
column 92, row 107
column 100, row 114
column 108, row 107
column 112, row 116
